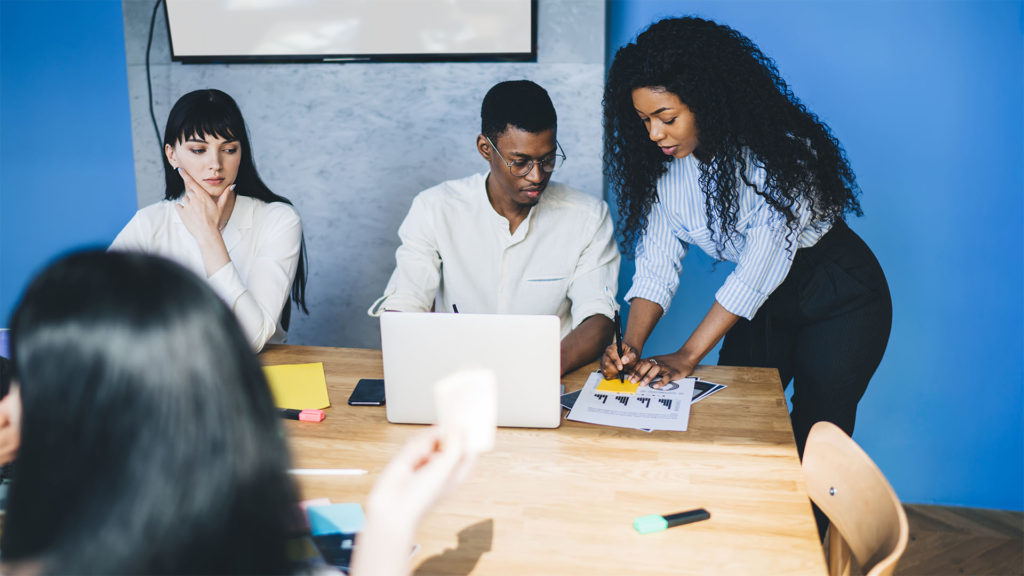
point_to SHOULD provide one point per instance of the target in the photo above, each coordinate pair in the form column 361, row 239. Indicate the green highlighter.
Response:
column 657, row 522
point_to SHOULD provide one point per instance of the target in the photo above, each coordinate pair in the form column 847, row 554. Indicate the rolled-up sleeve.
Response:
column 659, row 260
column 763, row 263
column 258, row 302
column 413, row 284
column 595, row 281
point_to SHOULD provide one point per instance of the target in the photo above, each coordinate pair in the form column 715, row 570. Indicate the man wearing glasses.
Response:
column 510, row 241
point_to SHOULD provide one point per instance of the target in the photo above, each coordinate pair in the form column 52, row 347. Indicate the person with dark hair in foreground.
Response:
column 150, row 442
column 707, row 146
column 510, row 241
column 221, row 221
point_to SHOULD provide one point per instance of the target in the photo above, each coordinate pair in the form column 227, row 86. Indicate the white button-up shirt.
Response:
column 263, row 241
column 457, row 250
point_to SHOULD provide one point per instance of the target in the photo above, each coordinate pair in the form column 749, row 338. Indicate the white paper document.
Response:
column 667, row 408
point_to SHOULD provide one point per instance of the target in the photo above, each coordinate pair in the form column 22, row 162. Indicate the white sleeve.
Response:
column 258, row 305
column 136, row 236
column 413, row 284
column 595, row 281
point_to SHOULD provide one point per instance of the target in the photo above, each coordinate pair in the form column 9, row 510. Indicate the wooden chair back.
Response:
column 866, row 518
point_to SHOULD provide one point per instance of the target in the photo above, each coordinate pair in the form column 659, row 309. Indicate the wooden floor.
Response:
column 948, row 540
column 969, row 541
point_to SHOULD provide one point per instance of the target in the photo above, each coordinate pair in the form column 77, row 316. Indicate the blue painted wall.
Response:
column 927, row 99
column 67, row 178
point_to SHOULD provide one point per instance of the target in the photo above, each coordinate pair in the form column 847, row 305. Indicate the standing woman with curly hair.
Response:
column 707, row 146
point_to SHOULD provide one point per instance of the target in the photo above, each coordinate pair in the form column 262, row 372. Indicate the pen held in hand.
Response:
column 618, row 340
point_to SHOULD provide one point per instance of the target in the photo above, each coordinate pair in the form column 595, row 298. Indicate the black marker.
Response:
column 455, row 308
column 657, row 523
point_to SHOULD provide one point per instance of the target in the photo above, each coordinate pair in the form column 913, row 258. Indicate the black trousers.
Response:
column 825, row 328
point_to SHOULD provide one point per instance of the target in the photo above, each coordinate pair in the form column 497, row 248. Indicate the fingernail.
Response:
column 232, row 187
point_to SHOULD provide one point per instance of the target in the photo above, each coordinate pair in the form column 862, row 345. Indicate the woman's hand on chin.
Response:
column 201, row 212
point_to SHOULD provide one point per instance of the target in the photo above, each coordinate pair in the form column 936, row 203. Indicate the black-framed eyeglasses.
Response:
column 520, row 168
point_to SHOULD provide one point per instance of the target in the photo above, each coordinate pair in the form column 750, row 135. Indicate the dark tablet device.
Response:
column 568, row 400
column 368, row 392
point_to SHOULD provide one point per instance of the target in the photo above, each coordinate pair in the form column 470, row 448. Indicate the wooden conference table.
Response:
column 562, row 501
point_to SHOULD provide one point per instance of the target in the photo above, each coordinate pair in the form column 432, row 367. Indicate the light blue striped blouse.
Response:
column 759, row 245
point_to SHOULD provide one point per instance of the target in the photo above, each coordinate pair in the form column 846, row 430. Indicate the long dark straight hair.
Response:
column 212, row 112
column 149, row 440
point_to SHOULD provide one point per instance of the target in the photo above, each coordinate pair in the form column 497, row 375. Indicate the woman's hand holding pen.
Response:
column 612, row 363
column 643, row 315
column 668, row 366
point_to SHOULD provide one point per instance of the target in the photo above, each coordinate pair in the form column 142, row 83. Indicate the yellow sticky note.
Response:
column 617, row 386
column 298, row 386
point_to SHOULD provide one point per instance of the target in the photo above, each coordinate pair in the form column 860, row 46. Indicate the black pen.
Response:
column 618, row 340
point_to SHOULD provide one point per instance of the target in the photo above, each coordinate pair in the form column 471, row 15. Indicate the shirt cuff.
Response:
column 227, row 284
column 581, row 313
column 739, row 298
column 395, row 303
column 650, row 289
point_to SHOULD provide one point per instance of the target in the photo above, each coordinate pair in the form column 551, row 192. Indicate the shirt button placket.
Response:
column 503, row 280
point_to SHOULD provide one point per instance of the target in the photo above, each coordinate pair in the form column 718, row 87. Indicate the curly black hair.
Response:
column 740, row 103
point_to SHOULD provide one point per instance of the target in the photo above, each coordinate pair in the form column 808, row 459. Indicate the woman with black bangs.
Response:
column 706, row 145
column 221, row 221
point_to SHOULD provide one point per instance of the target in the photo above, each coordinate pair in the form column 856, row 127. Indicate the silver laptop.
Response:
column 523, row 351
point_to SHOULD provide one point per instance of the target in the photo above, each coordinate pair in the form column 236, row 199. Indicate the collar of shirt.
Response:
column 241, row 219
column 502, row 222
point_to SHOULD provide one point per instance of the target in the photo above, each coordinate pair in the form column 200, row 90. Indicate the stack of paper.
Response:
column 646, row 408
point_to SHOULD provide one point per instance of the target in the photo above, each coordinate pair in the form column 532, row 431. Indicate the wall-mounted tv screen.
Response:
column 352, row 30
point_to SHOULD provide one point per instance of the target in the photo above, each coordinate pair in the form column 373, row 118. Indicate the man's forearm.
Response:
column 586, row 342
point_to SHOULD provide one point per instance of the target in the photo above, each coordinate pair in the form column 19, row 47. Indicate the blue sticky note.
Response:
column 344, row 518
